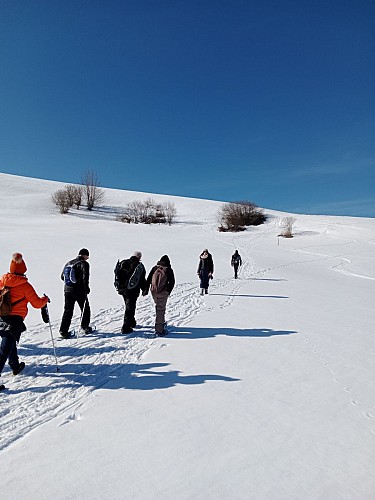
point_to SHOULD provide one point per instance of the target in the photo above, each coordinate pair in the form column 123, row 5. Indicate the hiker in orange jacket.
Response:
column 11, row 323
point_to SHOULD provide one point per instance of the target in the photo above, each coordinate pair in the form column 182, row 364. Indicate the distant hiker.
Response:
column 130, row 279
column 16, row 292
column 161, row 282
column 235, row 262
column 76, row 276
column 205, row 270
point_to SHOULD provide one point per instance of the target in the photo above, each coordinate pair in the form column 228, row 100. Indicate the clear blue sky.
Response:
column 268, row 101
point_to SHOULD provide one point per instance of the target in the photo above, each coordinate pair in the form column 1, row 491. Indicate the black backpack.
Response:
column 123, row 272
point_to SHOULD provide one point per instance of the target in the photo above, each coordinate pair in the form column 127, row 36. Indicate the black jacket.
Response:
column 82, row 274
column 141, row 285
column 206, row 265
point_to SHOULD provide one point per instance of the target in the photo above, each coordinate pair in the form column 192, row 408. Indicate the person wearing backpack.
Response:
column 205, row 270
column 16, row 293
column 161, row 282
column 235, row 262
column 76, row 276
column 130, row 279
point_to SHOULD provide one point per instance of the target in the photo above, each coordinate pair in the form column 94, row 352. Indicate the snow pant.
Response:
column 71, row 297
column 129, row 316
column 235, row 267
column 160, row 300
column 11, row 328
column 205, row 279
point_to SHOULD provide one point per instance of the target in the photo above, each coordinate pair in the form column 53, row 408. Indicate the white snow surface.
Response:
column 264, row 388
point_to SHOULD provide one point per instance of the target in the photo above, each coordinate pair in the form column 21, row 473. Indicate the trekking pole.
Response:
column 80, row 321
column 46, row 319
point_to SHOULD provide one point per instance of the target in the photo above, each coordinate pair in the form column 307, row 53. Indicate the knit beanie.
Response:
column 84, row 251
column 17, row 264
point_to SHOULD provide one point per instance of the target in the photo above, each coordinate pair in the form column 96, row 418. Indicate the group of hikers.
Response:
column 130, row 280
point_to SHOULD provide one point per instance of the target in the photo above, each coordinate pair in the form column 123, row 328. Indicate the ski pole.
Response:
column 50, row 329
column 83, row 310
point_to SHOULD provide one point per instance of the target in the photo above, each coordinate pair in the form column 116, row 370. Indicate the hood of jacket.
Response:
column 164, row 261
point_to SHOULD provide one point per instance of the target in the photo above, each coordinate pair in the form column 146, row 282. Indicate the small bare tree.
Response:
column 94, row 194
column 287, row 226
column 170, row 211
column 62, row 201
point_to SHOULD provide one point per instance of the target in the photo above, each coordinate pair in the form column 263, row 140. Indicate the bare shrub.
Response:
column 235, row 216
column 62, row 201
column 94, row 194
column 75, row 194
column 148, row 212
column 287, row 226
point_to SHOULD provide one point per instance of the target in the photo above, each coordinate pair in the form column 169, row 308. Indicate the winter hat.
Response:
column 17, row 265
column 138, row 255
column 84, row 251
column 166, row 260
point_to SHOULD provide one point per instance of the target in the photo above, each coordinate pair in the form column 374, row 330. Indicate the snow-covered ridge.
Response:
column 263, row 389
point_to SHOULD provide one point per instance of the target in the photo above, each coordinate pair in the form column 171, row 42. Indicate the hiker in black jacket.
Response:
column 205, row 270
column 130, row 289
column 235, row 262
column 76, row 276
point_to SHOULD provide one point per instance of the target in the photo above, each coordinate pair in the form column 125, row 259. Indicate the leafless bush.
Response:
column 148, row 212
column 287, row 226
column 61, row 199
column 75, row 194
column 235, row 216
column 94, row 194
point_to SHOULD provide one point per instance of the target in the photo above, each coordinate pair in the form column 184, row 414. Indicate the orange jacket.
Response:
column 20, row 288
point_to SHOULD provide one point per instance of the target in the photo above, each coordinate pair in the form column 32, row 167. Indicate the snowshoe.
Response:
column 87, row 330
column 67, row 335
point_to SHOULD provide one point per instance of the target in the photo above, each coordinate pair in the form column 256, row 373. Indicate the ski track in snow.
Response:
column 87, row 363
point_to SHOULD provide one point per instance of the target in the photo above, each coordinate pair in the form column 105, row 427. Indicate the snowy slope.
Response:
column 263, row 389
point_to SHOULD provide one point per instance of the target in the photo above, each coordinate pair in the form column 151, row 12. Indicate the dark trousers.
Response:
column 129, row 316
column 70, row 299
column 205, row 279
column 235, row 266
column 11, row 328
column 8, row 351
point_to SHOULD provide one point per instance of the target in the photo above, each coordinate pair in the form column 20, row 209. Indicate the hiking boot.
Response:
column 87, row 330
column 2, row 387
column 206, row 291
column 126, row 329
column 66, row 335
column 20, row 368
column 162, row 334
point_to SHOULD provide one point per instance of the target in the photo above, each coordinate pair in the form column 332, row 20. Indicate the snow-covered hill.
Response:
column 263, row 390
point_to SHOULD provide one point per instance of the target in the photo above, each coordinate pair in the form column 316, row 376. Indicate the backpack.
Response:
column 235, row 259
column 159, row 280
column 69, row 274
column 5, row 304
column 126, row 277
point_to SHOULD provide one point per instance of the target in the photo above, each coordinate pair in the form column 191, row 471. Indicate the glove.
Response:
column 87, row 290
column 45, row 315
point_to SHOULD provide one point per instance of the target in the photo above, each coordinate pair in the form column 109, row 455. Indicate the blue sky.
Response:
column 268, row 101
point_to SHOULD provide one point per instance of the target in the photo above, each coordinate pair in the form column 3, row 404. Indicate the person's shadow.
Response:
column 188, row 332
